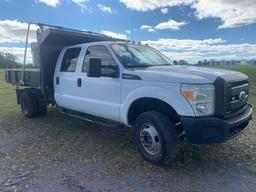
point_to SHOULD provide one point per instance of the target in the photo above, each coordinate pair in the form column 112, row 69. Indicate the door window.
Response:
column 70, row 60
column 109, row 67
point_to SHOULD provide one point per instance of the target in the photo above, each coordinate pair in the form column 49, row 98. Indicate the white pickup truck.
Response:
column 112, row 82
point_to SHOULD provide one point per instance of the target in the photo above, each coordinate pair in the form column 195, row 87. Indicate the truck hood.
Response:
column 181, row 74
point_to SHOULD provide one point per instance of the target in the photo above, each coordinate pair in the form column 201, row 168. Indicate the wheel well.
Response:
column 35, row 91
column 148, row 104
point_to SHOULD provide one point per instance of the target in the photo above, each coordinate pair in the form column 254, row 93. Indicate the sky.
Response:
column 189, row 30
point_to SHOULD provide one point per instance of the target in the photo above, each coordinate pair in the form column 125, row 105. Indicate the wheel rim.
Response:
column 150, row 139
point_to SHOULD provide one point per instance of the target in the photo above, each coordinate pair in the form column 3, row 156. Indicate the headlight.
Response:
column 201, row 98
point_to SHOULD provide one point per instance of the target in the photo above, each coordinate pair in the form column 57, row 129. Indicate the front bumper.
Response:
column 206, row 130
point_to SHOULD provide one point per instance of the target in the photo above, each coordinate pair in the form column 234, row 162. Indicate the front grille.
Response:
column 235, row 84
column 231, row 95
column 237, row 97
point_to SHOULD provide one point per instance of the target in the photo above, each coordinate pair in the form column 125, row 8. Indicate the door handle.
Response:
column 57, row 80
column 79, row 82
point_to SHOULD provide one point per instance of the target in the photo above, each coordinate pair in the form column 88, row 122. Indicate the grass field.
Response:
column 58, row 153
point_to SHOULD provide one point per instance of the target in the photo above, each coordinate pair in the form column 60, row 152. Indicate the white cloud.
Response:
column 145, row 27
column 104, row 8
column 114, row 35
column 164, row 10
column 194, row 50
column 83, row 5
column 151, row 30
column 171, row 24
column 55, row 3
column 13, row 31
column 128, row 31
column 232, row 13
column 148, row 28
column 184, row 44
column 145, row 5
column 189, row 56
column 52, row 3
column 194, row 57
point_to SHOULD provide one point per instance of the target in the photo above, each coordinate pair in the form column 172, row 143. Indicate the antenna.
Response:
column 132, row 26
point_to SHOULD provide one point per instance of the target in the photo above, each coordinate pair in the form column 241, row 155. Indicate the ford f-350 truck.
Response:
column 113, row 82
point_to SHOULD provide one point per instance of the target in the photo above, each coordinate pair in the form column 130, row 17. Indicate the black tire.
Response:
column 42, row 110
column 42, row 107
column 29, row 104
column 166, row 133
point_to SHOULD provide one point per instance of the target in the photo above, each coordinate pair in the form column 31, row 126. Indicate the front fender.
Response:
column 172, row 97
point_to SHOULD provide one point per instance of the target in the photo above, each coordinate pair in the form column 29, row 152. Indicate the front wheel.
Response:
column 155, row 137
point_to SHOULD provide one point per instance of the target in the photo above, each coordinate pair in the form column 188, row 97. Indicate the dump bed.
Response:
column 50, row 41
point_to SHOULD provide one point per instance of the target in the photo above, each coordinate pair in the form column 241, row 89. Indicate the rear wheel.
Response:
column 42, row 106
column 29, row 104
column 155, row 137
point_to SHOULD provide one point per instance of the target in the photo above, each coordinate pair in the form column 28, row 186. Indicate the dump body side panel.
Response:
column 31, row 78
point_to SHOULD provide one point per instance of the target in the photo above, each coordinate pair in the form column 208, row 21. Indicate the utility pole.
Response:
column 25, row 56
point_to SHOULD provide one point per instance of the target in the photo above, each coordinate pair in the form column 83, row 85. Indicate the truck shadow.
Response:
column 115, row 144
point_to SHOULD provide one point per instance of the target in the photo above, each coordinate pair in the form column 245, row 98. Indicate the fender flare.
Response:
column 176, row 101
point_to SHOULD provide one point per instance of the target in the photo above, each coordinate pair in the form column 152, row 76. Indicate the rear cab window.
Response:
column 70, row 59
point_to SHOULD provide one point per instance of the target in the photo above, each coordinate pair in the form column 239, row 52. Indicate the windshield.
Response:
column 136, row 55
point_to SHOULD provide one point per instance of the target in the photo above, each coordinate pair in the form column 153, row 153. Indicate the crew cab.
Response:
column 122, row 83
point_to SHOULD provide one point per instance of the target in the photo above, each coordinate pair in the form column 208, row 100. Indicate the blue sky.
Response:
column 184, row 29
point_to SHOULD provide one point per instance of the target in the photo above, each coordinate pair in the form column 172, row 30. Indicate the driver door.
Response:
column 100, row 96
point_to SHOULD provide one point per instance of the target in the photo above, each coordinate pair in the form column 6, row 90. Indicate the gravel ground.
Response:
column 58, row 153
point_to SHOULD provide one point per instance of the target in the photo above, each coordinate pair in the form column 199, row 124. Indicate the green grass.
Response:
column 7, row 96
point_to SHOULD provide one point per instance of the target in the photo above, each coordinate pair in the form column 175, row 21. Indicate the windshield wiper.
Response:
column 163, row 64
column 139, row 66
column 146, row 65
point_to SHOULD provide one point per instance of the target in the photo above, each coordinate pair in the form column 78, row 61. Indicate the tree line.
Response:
column 184, row 62
column 8, row 61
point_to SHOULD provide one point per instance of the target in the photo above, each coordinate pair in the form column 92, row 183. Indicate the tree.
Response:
column 8, row 61
column 182, row 62
column 175, row 62
column 199, row 63
column 205, row 62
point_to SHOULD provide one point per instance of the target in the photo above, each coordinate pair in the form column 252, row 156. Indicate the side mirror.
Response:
column 94, row 67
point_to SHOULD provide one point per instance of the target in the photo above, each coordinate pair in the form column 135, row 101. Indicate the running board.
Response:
column 93, row 119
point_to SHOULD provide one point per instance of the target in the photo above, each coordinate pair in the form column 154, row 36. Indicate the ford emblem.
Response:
column 242, row 95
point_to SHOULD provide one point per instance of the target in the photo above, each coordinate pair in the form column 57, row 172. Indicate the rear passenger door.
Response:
column 65, row 80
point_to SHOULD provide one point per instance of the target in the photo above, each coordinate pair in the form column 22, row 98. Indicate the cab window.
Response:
column 109, row 66
column 70, row 60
